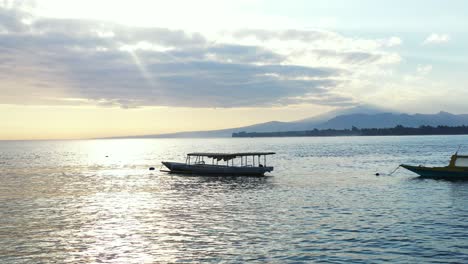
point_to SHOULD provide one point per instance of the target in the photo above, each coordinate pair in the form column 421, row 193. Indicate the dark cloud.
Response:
column 359, row 57
column 347, row 57
column 11, row 20
column 194, row 83
column 247, row 54
column 52, row 60
column 117, row 33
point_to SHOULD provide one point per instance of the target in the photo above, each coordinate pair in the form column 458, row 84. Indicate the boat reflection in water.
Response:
column 457, row 169
column 223, row 164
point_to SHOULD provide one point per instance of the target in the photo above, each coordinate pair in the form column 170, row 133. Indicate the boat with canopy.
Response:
column 457, row 169
column 222, row 164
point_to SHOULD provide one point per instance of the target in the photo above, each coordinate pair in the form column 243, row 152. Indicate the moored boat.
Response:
column 222, row 164
column 457, row 169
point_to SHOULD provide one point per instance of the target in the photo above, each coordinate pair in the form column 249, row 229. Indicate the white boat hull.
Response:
column 215, row 170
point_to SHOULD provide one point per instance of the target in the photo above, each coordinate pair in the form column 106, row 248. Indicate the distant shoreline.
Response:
column 354, row 131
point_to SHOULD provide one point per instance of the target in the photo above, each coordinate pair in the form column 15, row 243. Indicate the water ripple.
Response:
column 66, row 202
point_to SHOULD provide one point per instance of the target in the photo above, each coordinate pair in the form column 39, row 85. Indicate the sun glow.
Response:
column 172, row 14
column 80, row 122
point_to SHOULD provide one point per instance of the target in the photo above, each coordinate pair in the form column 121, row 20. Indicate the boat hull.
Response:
column 438, row 172
column 215, row 170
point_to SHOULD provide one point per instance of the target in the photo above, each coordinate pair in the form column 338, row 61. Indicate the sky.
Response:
column 85, row 69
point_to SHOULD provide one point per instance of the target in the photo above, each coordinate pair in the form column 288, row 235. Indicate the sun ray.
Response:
column 142, row 68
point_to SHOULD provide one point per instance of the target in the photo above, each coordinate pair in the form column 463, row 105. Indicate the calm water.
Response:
column 66, row 202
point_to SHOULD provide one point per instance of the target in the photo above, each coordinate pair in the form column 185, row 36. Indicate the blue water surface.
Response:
column 95, row 201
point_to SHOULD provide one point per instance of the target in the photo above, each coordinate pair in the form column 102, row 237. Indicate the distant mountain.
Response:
column 262, row 127
column 361, row 109
column 388, row 120
column 272, row 126
column 360, row 117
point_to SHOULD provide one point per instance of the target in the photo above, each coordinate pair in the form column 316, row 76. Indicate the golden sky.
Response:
column 64, row 122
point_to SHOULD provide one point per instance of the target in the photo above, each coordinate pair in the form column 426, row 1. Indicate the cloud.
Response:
column 437, row 39
column 424, row 69
column 316, row 38
column 301, row 35
column 76, row 62
column 349, row 57
column 392, row 41
column 422, row 72
column 10, row 20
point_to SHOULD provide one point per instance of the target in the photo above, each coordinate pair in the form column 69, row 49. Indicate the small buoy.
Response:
column 377, row 174
column 151, row 168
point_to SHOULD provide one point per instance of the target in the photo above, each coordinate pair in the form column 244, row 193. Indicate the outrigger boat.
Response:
column 457, row 169
column 222, row 164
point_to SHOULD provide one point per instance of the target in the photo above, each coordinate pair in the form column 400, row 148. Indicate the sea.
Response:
column 96, row 201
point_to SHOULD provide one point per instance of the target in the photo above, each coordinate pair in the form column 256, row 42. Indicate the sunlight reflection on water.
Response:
column 66, row 202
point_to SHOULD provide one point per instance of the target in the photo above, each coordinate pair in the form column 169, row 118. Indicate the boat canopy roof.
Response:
column 459, row 160
column 228, row 156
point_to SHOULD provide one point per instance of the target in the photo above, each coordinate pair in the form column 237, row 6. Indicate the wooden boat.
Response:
column 222, row 164
column 457, row 169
